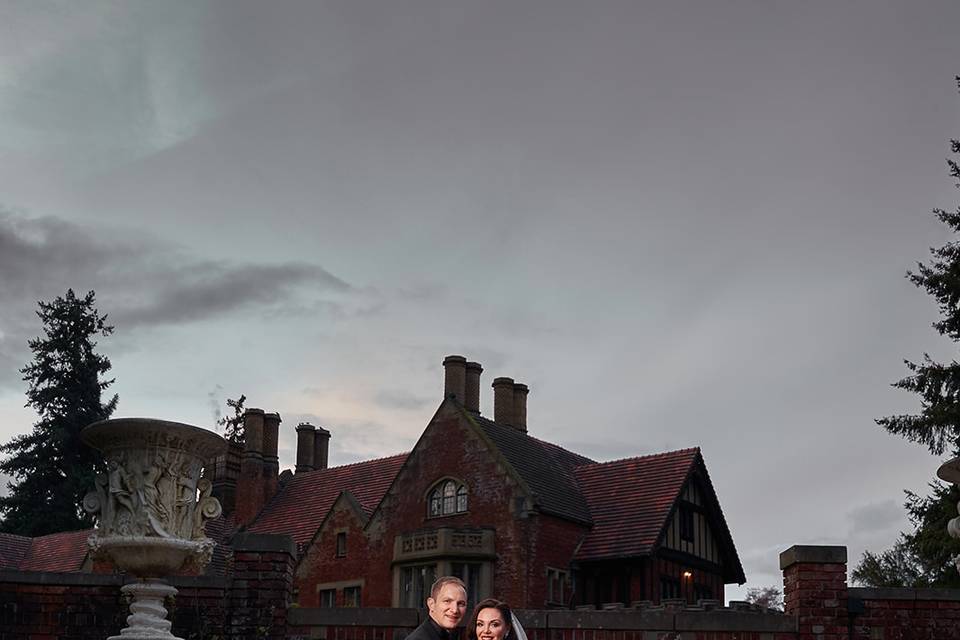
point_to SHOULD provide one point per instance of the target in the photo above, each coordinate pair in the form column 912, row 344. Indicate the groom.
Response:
column 447, row 604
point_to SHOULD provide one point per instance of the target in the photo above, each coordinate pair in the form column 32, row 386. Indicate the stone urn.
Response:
column 152, row 505
column 950, row 471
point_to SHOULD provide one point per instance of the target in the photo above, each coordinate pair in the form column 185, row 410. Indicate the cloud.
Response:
column 399, row 399
column 140, row 281
column 201, row 290
column 876, row 516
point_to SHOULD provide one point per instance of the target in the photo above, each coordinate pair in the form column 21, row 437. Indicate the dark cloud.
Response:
column 202, row 290
column 140, row 281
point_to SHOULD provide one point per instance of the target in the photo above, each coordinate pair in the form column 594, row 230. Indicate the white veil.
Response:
column 516, row 628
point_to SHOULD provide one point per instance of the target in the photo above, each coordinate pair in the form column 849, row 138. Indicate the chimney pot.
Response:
column 321, row 448
column 503, row 401
column 253, row 433
column 472, row 399
column 305, row 447
column 520, row 392
column 271, row 433
column 455, row 378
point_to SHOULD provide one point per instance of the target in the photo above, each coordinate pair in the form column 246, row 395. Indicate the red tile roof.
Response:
column 59, row 552
column 630, row 500
column 13, row 549
column 300, row 506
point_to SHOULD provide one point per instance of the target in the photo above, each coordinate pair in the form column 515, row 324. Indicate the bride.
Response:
column 493, row 620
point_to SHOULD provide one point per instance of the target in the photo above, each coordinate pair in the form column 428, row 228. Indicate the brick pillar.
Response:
column 815, row 590
column 261, row 586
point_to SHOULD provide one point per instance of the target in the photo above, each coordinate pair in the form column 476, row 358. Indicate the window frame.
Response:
column 447, row 497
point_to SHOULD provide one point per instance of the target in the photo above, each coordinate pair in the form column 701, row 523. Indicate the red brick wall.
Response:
column 552, row 544
column 321, row 565
column 931, row 614
column 47, row 606
column 816, row 592
column 447, row 448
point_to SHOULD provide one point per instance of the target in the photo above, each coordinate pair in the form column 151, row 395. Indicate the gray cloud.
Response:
column 400, row 399
column 158, row 285
column 201, row 290
column 876, row 516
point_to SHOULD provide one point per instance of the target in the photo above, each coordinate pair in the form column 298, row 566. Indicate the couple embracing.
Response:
column 447, row 604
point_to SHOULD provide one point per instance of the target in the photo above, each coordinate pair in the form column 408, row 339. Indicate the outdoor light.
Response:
column 687, row 575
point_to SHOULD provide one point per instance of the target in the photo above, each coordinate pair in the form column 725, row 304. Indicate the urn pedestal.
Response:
column 152, row 506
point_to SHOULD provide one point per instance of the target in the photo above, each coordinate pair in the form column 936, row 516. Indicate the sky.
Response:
column 680, row 223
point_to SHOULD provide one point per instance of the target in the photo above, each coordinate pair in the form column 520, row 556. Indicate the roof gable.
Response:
column 631, row 500
column 302, row 504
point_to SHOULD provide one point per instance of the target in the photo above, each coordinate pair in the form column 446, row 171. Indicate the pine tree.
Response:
column 924, row 557
column 51, row 468
column 938, row 424
column 233, row 425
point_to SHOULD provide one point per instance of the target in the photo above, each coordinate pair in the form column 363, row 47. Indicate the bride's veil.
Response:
column 518, row 632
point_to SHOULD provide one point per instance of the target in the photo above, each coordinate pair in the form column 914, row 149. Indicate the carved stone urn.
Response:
column 152, row 505
column 950, row 471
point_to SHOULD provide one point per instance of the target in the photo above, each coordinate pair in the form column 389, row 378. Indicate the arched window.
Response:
column 447, row 498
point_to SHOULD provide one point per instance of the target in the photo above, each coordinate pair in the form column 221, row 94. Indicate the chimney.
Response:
column 321, row 448
column 305, row 447
column 454, row 377
column 503, row 401
column 520, row 392
column 472, row 394
column 226, row 470
column 250, row 489
column 271, row 463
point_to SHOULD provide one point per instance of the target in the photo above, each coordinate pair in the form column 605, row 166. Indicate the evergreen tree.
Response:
column 924, row 557
column 233, row 425
column 51, row 468
column 938, row 424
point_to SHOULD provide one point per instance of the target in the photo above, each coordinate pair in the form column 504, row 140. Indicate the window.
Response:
column 702, row 592
column 328, row 598
column 469, row 572
column 556, row 585
column 351, row 596
column 415, row 583
column 669, row 588
column 447, row 498
column 342, row 544
column 686, row 523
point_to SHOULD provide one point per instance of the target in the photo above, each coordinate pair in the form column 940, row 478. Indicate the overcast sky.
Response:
column 680, row 223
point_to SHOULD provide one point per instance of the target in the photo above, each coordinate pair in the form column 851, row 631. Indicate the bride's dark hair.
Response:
column 490, row 603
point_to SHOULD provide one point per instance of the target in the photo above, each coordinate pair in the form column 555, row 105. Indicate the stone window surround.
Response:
column 444, row 546
column 436, row 491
